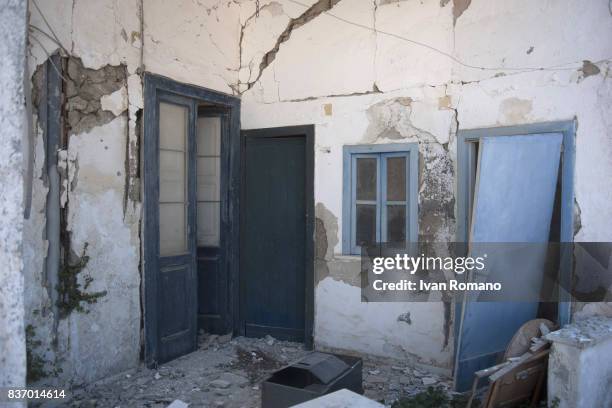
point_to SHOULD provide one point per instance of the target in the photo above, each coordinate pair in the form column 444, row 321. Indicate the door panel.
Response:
column 170, row 213
column 174, row 317
column 170, row 224
column 212, row 203
column 276, row 242
column 514, row 196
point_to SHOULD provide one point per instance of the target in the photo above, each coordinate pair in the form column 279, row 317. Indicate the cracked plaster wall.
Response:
column 111, row 43
column 13, row 127
column 102, row 93
column 358, row 86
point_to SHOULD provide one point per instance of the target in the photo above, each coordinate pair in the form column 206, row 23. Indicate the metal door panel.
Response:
column 514, row 197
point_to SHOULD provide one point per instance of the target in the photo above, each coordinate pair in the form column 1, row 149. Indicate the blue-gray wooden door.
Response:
column 513, row 203
column 212, row 219
column 170, row 217
column 277, row 234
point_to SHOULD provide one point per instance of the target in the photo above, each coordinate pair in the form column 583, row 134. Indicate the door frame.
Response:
column 279, row 132
column 466, row 171
column 154, row 84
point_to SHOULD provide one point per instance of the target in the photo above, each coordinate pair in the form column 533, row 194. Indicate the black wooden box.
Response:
column 315, row 375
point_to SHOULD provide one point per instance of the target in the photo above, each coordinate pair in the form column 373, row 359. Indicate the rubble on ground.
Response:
column 227, row 372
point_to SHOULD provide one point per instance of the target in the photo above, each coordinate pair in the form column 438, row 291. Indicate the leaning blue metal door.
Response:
column 170, row 217
column 513, row 203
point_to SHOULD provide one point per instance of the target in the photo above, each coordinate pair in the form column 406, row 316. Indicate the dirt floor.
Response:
column 226, row 372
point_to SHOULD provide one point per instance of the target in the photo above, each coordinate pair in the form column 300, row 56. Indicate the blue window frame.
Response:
column 380, row 188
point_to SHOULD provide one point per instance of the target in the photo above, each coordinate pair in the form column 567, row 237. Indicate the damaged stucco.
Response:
column 13, row 129
column 410, row 71
column 362, row 72
column 94, row 329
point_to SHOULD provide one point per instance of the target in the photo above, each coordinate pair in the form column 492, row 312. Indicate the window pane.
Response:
column 396, row 179
column 173, row 125
column 209, row 136
column 172, row 229
column 208, row 178
column 366, row 179
column 366, row 224
column 208, row 224
column 208, row 181
column 396, row 223
column 171, row 176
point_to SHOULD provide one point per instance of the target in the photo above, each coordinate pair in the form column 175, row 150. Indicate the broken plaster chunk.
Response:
column 116, row 102
column 429, row 381
column 135, row 91
column 178, row 404
column 376, row 379
column 234, row 379
column 220, row 384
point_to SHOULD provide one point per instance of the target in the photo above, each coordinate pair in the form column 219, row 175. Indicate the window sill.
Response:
column 343, row 257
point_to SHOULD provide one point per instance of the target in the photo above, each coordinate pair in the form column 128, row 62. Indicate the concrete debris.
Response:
column 227, row 372
column 220, row 384
column 178, row 404
column 429, row 381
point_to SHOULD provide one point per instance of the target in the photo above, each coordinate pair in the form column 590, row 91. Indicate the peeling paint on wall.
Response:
column 459, row 7
column 589, row 69
column 384, row 90
column 515, row 110
column 87, row 90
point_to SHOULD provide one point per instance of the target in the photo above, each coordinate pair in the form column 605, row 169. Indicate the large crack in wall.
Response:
column 310, row 14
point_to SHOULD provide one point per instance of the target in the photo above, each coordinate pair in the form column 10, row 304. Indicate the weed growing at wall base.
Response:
column 69, row 288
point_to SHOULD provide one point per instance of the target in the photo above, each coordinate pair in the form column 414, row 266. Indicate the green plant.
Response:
column 35, row 364
column 434, row 397
column 70, row 294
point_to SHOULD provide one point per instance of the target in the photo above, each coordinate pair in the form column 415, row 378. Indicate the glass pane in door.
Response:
column 208, row 180
column 173, row 126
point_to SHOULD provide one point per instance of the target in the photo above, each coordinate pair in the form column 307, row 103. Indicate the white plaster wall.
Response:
column 13, row 128
column 356, row 86
column 562, row 34
column 374, row 328
column 359, row 75
column 83, row 347
column 580, row 364
column 38, row 313
column 580, row 378
column 193, row 42
column 109, row 334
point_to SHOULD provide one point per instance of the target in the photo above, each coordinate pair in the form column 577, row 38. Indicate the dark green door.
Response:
column 276, row 251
